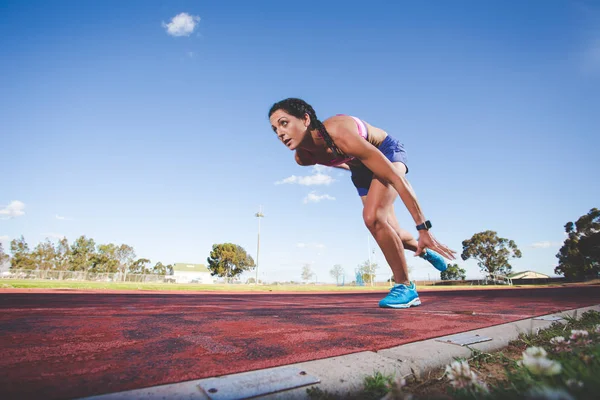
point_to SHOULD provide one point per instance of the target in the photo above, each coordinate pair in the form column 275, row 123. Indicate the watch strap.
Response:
column 424, row 226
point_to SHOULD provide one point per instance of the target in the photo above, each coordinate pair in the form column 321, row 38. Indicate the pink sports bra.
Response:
column 341, row 157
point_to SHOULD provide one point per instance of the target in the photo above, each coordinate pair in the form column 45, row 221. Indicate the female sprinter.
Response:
column 377, row 162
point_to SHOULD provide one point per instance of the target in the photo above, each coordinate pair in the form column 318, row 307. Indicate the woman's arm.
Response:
column 381, row 167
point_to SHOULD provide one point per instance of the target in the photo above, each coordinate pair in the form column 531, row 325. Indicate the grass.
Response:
column 570, row 370
column 179, row 287
column 374, row 388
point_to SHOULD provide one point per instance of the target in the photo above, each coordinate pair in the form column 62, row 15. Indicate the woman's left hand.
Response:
column 427, row 241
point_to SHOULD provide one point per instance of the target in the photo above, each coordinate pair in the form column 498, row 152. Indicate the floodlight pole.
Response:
column 258, row 215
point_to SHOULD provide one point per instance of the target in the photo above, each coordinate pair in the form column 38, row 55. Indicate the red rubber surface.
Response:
column 67, row 344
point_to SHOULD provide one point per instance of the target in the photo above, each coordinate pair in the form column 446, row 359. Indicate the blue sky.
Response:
column 122, row 124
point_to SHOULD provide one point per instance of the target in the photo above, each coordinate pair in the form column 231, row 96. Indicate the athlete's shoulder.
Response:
column 339, row 124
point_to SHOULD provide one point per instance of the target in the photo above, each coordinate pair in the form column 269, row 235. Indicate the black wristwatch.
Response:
column 424, row 226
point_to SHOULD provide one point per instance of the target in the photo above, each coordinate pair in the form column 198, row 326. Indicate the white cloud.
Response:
column 302, row 245
column 4, row 238
column 14, row 209
column 182, row 24
column 545, row 244
column 63, row 218
column 311, row 180
column 54, row 235
column 320, row 168
column 313, row 197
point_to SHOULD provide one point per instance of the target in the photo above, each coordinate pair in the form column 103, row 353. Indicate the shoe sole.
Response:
column 412, row 303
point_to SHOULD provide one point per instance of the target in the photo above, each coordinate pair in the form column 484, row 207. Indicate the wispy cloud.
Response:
column 545, row 244
column 311, row 180
column 317, row 178
column 313, row 197
column 182, row 24
column 63, row 218
column 4, row 238
column 13, row 210
column 54, row 235
column 302, row 245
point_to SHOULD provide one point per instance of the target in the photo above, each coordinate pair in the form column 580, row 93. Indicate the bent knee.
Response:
column 375, row 218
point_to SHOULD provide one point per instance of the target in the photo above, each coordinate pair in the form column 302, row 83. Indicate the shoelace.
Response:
column 396, row 289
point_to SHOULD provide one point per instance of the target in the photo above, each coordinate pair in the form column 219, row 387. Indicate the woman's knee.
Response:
column 374, row 218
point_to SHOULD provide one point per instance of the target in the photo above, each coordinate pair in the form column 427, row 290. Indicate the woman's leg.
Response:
column 388, row 235
column 408, row 240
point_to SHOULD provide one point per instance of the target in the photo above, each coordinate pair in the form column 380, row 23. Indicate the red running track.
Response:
column 68, row 344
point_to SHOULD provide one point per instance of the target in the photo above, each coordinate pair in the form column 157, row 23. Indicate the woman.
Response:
column 378, row 165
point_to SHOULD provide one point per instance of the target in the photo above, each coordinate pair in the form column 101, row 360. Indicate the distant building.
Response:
column 192, row 273
column 527, row 275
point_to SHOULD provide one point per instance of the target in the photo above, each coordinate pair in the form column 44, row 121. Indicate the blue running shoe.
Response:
column 401, row 296
column 435, row 259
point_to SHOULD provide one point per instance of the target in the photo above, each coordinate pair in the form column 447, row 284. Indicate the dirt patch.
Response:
column 490, row 368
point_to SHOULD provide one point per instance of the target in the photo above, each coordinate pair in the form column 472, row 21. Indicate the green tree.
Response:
column 105, row 259
column 82, row 251
column 62, row 253
column 307, row 272
column 22, row 258
column 491, row 252
column 44, row 255
column 367, row 271
column 125, row 256
column 140, row 267
column 161, row 269
column 337, row 271
column 3, row 256
column 453, row 273
column 579, row 257
column 228, row 260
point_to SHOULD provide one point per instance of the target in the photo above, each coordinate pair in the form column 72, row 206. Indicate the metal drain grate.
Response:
column 258, row 383
column 463, row 339
column 549, row 318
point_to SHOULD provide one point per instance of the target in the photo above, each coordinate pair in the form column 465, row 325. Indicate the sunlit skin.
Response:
column 390, row 181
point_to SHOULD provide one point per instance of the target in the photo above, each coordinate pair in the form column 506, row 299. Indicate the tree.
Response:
column 306, row 272
column 453, row 273
column 62, row 255
column 579, row 257
column 82, row 251
column 140, row 267
column 21, row 255
column 491, row 252
column 229, row 260
column 3, row 256
column 45, row 255
column 367, row 271
column 125, row 255
column 337, row 271
column 105, row 259
column 161, row 269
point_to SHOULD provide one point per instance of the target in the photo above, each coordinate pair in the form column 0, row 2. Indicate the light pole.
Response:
column 258, row 215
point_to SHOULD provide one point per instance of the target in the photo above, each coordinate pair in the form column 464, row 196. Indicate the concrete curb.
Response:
column 345, row 374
